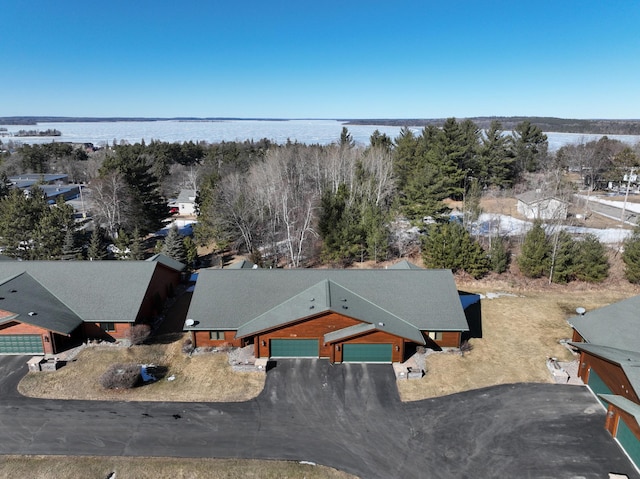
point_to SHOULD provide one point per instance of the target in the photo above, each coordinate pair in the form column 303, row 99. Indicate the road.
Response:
column 345, row 416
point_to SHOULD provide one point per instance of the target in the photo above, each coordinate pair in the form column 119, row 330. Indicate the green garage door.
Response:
column 598, row 386
column 629, row 441
column 294, row 348
column 21, row 344
column 367, row 353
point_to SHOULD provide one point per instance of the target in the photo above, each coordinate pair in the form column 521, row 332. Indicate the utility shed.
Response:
column 538, row 205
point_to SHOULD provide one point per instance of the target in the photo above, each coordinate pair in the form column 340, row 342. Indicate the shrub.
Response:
column 187, row 346
column 121, row 376
column 138, row 333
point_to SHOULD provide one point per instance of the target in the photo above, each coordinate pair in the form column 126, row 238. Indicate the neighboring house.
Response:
column 609, row 343
column 187, row 203
column 49, row 306
column 379, row 315
column 538, row 205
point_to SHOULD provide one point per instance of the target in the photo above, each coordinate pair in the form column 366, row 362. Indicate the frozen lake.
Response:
column 321, row 132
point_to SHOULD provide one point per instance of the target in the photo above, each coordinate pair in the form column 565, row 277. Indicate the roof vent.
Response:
column 581, row 311
column 311, row 307
column 344, row 306
column 380, row 323
column 189, row 322
column 32, row 313
column 13, row 290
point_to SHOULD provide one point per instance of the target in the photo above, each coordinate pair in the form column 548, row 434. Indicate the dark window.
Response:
column 109, row 327
column 216, row 335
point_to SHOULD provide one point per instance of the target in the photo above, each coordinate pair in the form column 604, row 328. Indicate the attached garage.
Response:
column 294, row 348
column 628, row 441
column 21, row 344
column 367, row 353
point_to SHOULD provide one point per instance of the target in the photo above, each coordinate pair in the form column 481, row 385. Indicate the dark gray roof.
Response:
column 31, row 303
column 616, row 325
column 167, row 261
column 95, row 291
column 414, row 299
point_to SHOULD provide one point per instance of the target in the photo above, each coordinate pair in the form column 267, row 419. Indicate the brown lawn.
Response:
column 50, row 467
column 203, row 377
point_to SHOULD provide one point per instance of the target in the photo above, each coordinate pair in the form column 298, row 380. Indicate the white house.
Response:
column 187, row 202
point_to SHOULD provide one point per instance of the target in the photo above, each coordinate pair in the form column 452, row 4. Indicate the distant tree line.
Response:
column 294, row 204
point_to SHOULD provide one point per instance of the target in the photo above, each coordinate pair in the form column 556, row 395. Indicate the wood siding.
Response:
column 16, row 327
column 308, row 328
column 614, row 415
column 162, row 285
column 611, row 374
column 450, row 339
column 576, row 338
column 201, row 339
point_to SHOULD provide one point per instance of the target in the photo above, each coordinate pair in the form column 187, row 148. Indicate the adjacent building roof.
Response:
column 623, row 403
column 186, row 196
column 167, row 261
column 533, row 196
column 31, row 303
column 616, row 325
column 96, row 291
column 404, row 301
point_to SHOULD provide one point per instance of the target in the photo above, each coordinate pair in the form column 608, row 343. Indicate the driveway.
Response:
column 345, row 416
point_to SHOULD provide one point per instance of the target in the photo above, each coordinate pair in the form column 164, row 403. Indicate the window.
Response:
column 216, row 335
column 436, row 335
column 109, row 327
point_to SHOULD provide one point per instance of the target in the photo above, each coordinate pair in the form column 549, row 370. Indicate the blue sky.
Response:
column 323, row 59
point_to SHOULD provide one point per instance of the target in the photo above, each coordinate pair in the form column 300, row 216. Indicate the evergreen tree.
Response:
column 450, row 246
column 380, row 140
column 529, row 147
column 123, row 243
column 97, row 250
column 70, row 248
column 534, row 259
column 498, row 255
column 631, row 257
column 173, row 246
column 495, row 165
column 136, row 248
column 346, row 140
column 591, row 260
column 20, row 217
column 191, row 251
column 562, row 258
column 339, row 227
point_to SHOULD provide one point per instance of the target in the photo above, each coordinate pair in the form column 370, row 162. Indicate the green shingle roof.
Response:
column 254, row 300
column 33, row 304
column 616, row 325
column 95, row 291
column 624, row 404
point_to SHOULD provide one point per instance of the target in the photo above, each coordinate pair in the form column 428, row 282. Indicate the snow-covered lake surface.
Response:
column 321, row 132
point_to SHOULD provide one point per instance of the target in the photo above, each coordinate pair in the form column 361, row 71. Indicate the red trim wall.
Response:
column 16, row 327
column 611, row 374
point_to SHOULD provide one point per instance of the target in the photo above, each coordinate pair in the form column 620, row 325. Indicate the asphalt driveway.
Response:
column 345, row 416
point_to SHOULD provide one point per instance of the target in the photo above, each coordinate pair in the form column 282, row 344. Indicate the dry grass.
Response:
column 49, row 467
column 519, row 334
column 204, row 377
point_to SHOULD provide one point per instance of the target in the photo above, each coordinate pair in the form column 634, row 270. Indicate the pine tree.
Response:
column 70, row 248
column 631, row 257
column 136, row 249
column 191, row 251
column 97, row 250
column 591, row 260
column 173, row 246
column 563, row 258
column 450, row 246
column 498, row 255
column 534, row 259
